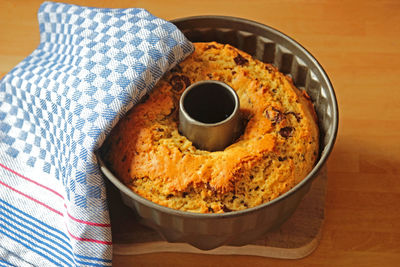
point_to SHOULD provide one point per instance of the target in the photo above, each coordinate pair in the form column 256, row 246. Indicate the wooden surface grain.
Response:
column 358, row 44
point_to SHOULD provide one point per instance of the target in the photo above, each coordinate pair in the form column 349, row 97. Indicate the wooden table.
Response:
column 358, row 44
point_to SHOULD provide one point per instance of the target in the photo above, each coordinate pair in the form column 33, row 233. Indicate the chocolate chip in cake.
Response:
column 176, row 83
column 282, row 159
column 210, row 46
column 275, row 115
column 286, row 132
column 233, row 198
column 179, row 82
column 240, row 60
column 226, row 209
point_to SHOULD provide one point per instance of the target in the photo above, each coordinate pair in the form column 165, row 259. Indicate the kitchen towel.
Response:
column 56, row 108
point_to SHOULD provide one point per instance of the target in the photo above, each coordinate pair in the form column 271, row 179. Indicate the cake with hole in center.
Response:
column 277, row 149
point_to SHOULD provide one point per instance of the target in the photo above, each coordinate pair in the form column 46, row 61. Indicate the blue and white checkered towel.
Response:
column 56, row 108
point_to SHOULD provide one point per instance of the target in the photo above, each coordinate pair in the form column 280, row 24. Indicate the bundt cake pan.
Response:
column 208, row 231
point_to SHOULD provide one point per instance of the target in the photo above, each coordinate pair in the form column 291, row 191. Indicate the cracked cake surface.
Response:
column 277, row 149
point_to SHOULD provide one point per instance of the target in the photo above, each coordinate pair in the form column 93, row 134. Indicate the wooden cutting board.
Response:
column 296, row 238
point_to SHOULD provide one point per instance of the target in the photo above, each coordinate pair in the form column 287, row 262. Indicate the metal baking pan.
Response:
column 208, row 231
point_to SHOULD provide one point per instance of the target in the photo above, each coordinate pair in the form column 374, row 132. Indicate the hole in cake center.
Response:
column 209, row 103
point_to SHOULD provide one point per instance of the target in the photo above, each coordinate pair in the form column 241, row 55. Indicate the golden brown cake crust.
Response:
column 278, row 148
